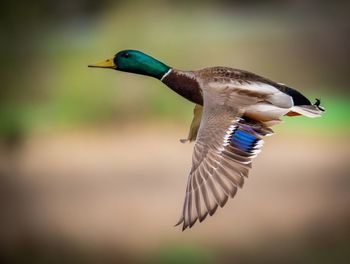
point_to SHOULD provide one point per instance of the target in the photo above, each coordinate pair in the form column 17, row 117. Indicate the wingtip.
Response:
column 183, row 228
column 178, row 223
column 191, row 224
column 224, row 201
column 213, row 210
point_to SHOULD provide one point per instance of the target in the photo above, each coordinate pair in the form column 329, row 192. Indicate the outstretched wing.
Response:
column 223, row 152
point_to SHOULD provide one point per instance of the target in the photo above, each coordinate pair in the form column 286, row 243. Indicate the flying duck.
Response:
column 234, row 111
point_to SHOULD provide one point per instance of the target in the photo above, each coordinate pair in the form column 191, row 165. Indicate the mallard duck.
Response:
column 234, row 111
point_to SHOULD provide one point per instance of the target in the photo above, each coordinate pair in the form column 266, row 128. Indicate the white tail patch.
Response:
column 307, row 110
column 265, row 112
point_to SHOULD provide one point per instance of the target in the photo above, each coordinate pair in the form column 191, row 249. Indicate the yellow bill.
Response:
column 109, row 63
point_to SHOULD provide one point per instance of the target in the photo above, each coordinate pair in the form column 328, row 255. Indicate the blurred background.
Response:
column 91, row 168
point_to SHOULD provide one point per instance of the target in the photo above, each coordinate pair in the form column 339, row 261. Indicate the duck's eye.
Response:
column 126, row 55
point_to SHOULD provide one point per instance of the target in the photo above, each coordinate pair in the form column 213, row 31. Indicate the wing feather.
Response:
column 226, row 143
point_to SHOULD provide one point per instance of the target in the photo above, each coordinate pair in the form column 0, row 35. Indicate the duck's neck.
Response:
column 184, row 84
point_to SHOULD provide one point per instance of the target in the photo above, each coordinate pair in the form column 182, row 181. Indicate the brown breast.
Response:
column 184, row 84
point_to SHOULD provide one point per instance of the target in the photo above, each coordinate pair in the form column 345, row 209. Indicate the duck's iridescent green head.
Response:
column 136, row 62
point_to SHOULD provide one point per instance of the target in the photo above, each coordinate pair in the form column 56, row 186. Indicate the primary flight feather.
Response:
column 234, row 110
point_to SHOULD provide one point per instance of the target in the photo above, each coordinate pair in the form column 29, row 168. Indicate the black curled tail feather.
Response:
column 318, row 104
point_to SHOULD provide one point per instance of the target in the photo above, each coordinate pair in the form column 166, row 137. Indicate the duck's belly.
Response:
column 265, row 112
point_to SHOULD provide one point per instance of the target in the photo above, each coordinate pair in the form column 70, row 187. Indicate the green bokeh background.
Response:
column 47, row 83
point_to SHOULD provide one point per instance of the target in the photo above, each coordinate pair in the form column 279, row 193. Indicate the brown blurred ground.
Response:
column 121, row 190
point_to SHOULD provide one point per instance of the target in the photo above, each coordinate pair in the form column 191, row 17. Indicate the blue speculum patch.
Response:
column 243, row 140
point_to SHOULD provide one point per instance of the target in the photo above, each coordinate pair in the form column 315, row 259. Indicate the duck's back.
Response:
column 228, row 75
